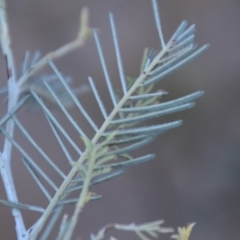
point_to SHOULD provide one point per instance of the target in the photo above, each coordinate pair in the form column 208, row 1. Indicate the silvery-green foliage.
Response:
column 109, row 152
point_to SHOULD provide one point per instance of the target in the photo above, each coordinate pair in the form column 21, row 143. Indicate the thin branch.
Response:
column 82, row 198
column 51, row 223
column 6, row 42
column 13, row 92
column 82, row 36
column 39, row 225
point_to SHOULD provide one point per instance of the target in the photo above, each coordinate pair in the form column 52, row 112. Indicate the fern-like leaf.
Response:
column 107, row 154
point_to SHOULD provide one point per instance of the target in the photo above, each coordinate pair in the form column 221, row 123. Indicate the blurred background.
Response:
column 195, row 176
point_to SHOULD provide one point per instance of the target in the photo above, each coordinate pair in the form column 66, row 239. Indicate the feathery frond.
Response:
column 107, row 154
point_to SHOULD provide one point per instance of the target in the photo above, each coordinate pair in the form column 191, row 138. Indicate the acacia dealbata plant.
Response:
column 109, row 152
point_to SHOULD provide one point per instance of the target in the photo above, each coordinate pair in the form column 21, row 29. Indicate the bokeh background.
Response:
column 195, row 176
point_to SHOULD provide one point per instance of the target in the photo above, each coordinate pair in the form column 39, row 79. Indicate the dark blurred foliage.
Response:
column 195, row 176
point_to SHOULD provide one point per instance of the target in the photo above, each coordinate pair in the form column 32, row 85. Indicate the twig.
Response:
column 40, row 223
column 13, row 93
column 84, row 195
column 82, row 36
column 79, row 206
